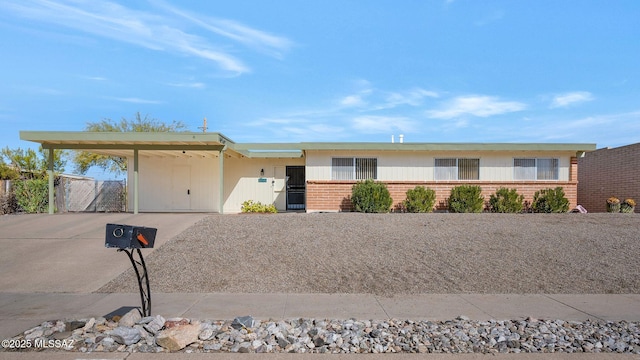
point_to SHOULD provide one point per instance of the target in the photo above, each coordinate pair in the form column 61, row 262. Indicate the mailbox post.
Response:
column 127, row 238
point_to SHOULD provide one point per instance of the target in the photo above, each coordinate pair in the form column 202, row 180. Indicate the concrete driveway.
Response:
column 65, row 253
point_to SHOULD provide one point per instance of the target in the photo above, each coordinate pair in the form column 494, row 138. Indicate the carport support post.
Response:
column 221, row 183
column 135, row 181
column 50, row 174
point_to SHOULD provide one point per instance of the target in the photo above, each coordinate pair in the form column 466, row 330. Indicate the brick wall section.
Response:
column 334, row 195
column 609, row 172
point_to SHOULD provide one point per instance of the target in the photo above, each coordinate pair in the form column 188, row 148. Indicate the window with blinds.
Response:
column 535, row 169
column 457, row 169
column 354, row 168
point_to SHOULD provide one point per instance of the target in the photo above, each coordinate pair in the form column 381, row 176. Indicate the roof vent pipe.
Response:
column 393, row 140
column 401, row 138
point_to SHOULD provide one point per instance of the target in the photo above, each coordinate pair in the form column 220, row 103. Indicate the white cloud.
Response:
column 135, row 100
column 412, row 97
column 371, row 99
column 564, row 100
column 95, row 78
column 193, row 85
column 382, row 124
column 241, row 33
column 481, row 106
column 150, row 30
column 352, row 101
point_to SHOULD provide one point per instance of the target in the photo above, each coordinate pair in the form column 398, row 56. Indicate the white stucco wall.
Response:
column 241, row 178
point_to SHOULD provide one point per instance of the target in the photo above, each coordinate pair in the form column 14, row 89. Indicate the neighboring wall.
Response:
column 609, row 172
column 402, row 171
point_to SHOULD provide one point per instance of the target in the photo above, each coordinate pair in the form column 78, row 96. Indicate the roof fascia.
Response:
column 362, row 146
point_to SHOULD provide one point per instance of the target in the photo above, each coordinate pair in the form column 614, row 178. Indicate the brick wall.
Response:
column 334, row 195
column 609, row 172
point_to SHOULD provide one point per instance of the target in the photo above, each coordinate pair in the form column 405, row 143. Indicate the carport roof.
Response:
column 177, row 143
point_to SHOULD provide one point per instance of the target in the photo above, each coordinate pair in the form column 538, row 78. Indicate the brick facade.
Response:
column 334, row 195
column 609, row 172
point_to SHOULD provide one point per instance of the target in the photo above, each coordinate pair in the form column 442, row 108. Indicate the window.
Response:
column 354, row 168
column 535, row 169
column 457, row 169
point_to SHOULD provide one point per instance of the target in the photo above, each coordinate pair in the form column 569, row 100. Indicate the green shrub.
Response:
column 370, row 197
column 420, row 200
column 506, row 201
column 32, row 196
column 257, row 207
column 550, row 201
column 466, row 199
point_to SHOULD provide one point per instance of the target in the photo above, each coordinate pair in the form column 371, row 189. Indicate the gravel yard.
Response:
column 395, row 254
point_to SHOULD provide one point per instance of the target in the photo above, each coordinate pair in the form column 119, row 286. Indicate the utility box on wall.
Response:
column 129, row 237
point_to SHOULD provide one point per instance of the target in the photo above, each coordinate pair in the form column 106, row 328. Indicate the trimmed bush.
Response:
column 32, row 196
column 550, row 201
column 257, row 207
column 420, row 200
column 466, row 199
column 506, row 201
column 371, row 197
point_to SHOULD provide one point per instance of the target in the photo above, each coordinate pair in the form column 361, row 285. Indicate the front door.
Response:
column 295, row 188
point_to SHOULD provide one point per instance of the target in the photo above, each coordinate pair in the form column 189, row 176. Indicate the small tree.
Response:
column 29, row 164
column 506, row 201
column 371, row 197
column 550, row 201
column 420, row 200
column 84, row 160
column 466, row 199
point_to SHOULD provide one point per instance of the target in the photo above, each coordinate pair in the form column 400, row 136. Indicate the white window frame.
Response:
column 354, row 168
column 536, row 170
column 452, row 172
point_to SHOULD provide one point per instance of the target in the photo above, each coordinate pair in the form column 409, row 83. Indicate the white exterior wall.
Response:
column 241, row 182
column 419, row 165
column 164, row 181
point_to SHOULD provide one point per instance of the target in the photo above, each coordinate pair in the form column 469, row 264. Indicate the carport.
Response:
column 134, row 145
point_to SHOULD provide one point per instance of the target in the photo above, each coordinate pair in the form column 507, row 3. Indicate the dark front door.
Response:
column 295, row 187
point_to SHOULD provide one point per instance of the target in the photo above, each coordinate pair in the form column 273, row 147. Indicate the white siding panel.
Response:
column 419, row 165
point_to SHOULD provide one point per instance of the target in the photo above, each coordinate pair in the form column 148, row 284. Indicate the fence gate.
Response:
column 84, row 195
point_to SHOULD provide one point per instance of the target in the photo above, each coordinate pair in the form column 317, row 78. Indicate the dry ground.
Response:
column 394, row 254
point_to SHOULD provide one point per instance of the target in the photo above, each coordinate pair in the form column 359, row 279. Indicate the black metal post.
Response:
column 145, row 293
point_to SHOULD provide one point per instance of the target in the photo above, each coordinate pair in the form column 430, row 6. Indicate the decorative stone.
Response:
column 125, row 335
column 243, row 321
column 131, row 318
column 155, row 324
column 178, row 337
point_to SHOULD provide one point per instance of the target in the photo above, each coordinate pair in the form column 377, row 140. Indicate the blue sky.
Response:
column 331, row 70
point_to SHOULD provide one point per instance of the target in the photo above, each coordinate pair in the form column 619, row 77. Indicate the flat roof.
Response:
column 123, row 144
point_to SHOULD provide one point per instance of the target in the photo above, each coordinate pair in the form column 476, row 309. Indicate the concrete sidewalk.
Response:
column 20, row 311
